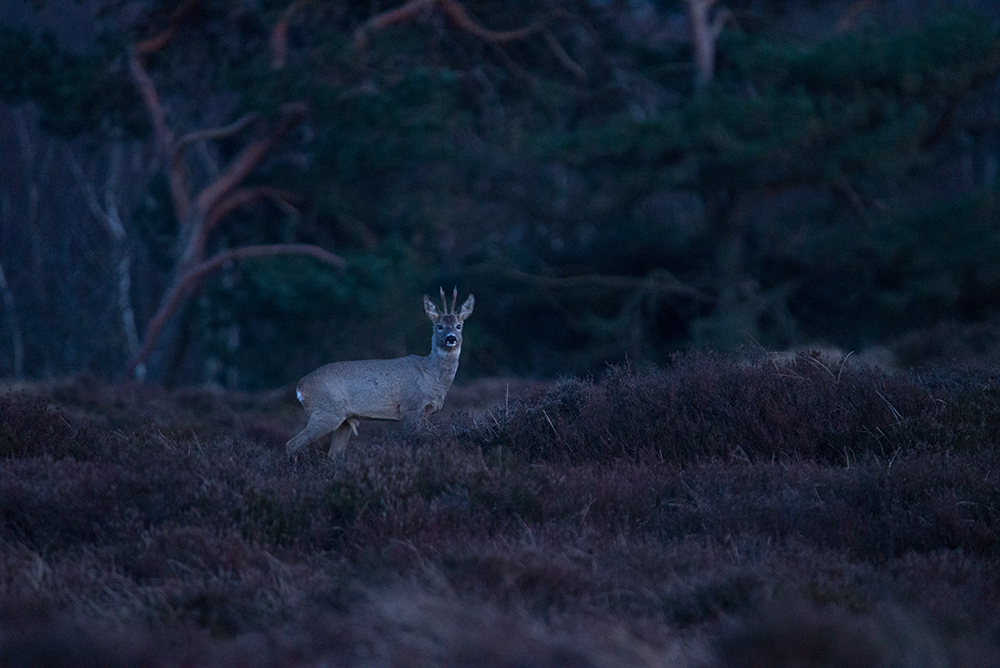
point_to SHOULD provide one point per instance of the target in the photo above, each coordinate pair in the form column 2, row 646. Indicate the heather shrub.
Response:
column 871, row 511
column 29, row 427
column 682, row 499
column 706, row 406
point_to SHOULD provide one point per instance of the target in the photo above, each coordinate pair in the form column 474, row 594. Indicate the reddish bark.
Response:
column 413, row 9
column 199, row 213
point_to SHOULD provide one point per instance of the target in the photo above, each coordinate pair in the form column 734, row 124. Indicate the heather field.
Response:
column 716, row 511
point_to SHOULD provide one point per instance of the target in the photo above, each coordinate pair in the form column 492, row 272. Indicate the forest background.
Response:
column 235, row 193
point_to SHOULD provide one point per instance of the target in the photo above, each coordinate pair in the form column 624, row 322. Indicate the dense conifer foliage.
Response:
column 833, row 180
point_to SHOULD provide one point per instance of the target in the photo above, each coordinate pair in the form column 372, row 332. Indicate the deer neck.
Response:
column 443, row 364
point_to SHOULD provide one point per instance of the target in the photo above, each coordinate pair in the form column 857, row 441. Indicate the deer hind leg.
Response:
column 341, row 436
column 318, row 426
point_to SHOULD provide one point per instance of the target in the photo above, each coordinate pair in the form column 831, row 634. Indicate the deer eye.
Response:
column 458, row 327
column 440, row 327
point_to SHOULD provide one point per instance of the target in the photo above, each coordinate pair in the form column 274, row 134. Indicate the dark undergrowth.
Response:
column 718, row 512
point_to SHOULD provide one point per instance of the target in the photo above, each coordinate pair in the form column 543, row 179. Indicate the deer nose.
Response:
column 450, row 340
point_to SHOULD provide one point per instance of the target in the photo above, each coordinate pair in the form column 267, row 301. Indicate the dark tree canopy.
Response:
column 834, row 180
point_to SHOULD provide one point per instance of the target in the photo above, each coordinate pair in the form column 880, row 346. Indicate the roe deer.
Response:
column 336, row 396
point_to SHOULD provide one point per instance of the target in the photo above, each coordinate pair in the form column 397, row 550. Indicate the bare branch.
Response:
column 243, row 196
column 465, row 22
column 208, row 161
column 217, row 133
column 109, row 218
column 177, row 158
column 112, row 222
column 279, row 34
column 244, row 163
column 184, row 285
column 88, row 191
column 405, row 12
column 862, row 206
column 564, row 57
column 162, row 134
column 264, row 250
column 161, row 39
column 156, row 42
column 210, row 206
column 248, row 159
column 456, row 12
column 199, row 213
column 179, row 291
column 229, row 203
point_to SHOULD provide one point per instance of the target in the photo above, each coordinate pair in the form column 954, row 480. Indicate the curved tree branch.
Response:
column 405, row 12
column 262, row 250
column 242, row 196
column 564, row 57
column 153, row 44
column 463, row 20
column 197, row 215
column 279, row 34
column 217, row 133
column 234, row 200
column 183, row 286
column 162, row 134
column 147, row 90
column 248, row 159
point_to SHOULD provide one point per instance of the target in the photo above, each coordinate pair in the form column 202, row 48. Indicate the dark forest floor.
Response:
column 717, row 512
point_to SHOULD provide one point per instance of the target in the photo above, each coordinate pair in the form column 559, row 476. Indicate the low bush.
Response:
column 704, row 406
column 654, row 517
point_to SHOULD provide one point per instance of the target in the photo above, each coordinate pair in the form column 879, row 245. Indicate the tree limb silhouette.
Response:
column 199, row 212
column 413, row 9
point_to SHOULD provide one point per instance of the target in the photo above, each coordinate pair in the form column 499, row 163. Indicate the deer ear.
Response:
column 466, row 309
column 430, row 309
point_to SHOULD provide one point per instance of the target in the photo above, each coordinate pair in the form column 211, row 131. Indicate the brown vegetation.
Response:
column 711, row 513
